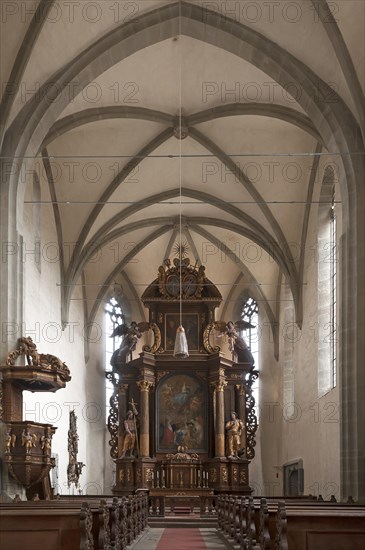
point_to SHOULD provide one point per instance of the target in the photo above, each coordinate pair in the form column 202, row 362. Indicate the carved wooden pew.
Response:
column 68, row 525
column 293, row 525
column 65, row 515
column 310, row 525
column 237, row 521
column 322, row 527
column 34, row 527
column 208, row 505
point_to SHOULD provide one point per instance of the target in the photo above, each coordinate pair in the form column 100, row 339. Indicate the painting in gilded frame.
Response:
column 181, row 413
column 190, row 323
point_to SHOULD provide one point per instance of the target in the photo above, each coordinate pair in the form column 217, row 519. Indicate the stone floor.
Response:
column 150, row 538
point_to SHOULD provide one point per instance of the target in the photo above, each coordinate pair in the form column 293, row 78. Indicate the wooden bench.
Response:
column 294, row 525
column 68, row 525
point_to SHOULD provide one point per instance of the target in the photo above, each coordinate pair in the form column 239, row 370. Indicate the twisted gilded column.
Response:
column 144, row 433
column 218, row 388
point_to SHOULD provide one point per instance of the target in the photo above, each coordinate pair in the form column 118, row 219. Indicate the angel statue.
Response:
column 10, row 439
column 46, row 443
column 236, row 343
column 131, row 335
column 28, row 440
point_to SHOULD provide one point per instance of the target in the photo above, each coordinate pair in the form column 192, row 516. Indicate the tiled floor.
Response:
column 150, row 538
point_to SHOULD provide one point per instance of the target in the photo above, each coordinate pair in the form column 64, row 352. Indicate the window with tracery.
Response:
column 113, row 317
column 333, row 288
column 250, row 313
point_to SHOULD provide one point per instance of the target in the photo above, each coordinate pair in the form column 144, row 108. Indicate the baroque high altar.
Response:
column 170, row 417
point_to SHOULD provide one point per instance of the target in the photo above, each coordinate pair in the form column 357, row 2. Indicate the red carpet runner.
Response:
column 181, row 539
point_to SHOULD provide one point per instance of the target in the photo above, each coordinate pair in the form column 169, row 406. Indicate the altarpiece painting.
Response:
column 181, row 413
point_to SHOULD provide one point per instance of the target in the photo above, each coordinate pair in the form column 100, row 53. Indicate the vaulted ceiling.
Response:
column 194, row 107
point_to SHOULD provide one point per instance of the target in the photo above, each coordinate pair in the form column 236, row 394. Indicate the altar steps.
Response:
column 183, row 521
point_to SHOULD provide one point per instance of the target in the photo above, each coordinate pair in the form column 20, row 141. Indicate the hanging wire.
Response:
column 180, row 160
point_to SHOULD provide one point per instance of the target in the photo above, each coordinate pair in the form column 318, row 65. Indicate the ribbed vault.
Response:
column 196, row 153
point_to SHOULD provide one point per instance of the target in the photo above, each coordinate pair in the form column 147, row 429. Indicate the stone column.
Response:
column 144, row 433
column 219, row 430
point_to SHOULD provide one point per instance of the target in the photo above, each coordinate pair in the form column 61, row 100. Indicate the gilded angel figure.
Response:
column 10, row 439
column 28, row 440
column 46, row 443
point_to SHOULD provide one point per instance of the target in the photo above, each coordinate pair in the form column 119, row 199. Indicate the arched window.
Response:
column 333, row 313
column 37, row 219
column 113, row 317
column 327, row 288
column 288, row 352
column 250, row 313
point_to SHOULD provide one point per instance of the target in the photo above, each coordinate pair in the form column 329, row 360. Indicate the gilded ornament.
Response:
column 225, row 475
column 144, row 385
column 157, row 339
column 161, row 374
column 235, row 474
column 243, row 477
column 213, row 475
column 219, row 386
column 206, row 340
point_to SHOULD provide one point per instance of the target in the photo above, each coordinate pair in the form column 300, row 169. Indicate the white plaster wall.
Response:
column 312, row 432
column 85, row 392
column 97, row 451
column 263, row 471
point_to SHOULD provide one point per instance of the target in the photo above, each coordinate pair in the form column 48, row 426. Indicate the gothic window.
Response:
column 250, row 313
column 288, row 353
column 333, row 285
column 37, row 219
column 327, row 290
column 113, row 317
